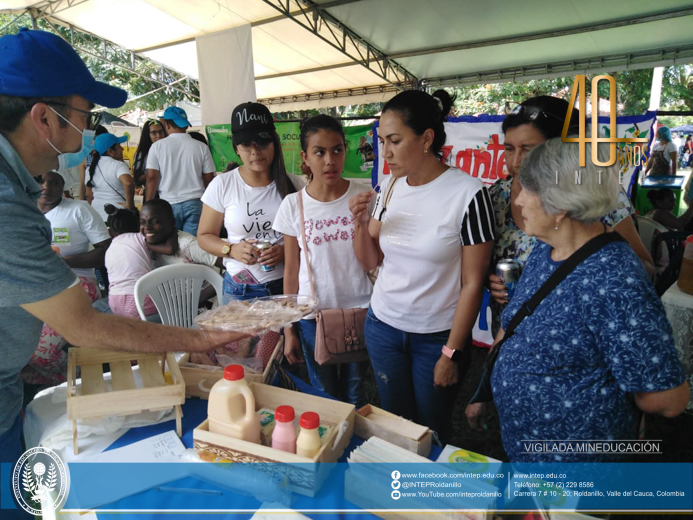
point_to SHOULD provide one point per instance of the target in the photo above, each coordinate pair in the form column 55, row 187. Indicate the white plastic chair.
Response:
column 175, row 290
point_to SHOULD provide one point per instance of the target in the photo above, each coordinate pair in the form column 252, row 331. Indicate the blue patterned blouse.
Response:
column 569, row 370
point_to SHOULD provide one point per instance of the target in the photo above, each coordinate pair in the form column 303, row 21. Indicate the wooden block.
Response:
column 92, row 380
column 150, row 370
column 121, row 376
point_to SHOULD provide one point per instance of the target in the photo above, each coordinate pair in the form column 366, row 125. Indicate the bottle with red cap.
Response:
column 308, row 442
column 231, row 407
column 284, row 434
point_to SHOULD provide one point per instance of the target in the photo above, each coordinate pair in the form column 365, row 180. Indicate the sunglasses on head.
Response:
column 529, row 112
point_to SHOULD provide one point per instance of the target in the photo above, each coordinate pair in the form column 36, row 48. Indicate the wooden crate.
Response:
column 94, row 396
column 307, row 475
column 371, row 420
column 199, row 381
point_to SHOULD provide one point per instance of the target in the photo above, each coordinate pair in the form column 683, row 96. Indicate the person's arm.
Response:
column 649, row 164
column 475, row 260
column 668, row 403
column 292, row 263
column 152, row 184
column 129, row 187
column 674, row 158
column 626, row 228
column 169, row 247
column 91, row 259
column 207, row 178
column 208, row 238
column 71, row 315
column 367, row 232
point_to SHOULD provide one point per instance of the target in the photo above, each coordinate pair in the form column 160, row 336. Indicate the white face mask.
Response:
column 69, row 160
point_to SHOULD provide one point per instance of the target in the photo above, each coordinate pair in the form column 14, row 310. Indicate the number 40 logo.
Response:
column 579, row 90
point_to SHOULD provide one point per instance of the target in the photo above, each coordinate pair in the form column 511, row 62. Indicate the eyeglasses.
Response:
column 93, row 118
column 529, row 112
column 260, row 145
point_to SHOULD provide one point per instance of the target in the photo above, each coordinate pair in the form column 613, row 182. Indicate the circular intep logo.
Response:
column 40, row 481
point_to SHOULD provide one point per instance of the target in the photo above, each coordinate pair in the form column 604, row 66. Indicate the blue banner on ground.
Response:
column 229, row 487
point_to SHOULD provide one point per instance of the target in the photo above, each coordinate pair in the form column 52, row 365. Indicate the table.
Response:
column 48, row 407
column 679, row 308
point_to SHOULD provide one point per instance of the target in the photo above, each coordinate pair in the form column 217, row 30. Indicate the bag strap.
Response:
column 587, row 250
column 388, row 196
column 302, row 227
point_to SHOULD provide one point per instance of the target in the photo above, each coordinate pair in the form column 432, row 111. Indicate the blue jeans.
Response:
column 341, row 381
column 187, row 215
column 403, row 364
column 248, row 291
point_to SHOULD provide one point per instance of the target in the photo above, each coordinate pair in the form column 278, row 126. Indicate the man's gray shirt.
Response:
column 30, row 271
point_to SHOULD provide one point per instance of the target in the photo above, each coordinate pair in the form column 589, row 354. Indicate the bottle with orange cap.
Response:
column 231, row 407
column 308, row 443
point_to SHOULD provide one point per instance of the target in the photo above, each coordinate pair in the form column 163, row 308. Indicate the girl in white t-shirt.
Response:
column 339, row 279
column 110, row 180
column 245, row 201
column 434, row 238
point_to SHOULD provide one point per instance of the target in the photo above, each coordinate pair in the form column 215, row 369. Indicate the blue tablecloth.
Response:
column 194, row 413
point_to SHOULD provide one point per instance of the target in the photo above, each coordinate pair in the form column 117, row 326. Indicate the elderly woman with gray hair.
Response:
column 598, row 349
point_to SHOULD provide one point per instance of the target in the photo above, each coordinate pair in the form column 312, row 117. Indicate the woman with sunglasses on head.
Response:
column 245, row 202
column 110, row 180
column 152, row 131
column 433, row 238
column 527, row 125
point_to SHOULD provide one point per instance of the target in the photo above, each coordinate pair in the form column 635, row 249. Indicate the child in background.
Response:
column 127, row 260
column 340, row 281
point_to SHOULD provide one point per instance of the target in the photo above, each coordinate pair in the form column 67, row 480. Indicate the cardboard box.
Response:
column 308, row 475
column 371, row 420
column 199, row 380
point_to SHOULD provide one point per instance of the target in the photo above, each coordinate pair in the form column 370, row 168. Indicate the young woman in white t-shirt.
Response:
column 110, row 179
column 245, row 202
column 433, row 238
column 339, row 279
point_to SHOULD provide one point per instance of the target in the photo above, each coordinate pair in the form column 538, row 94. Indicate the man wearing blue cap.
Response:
column 46, row 97
column 180, row 168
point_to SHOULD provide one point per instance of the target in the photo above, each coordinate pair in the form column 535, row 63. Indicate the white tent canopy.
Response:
column 381, row 45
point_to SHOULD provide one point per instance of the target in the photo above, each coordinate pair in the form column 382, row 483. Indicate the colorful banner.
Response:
column 475, row 145
column 359, row 153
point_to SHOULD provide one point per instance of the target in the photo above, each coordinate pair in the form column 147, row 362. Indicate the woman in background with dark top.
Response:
column 152, row 131
column 663, row 158
column 664, row 201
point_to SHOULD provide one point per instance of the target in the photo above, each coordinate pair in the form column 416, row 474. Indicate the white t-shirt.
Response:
column 127, row 260
column 249, row 213
column 107, row 187
column 76, row 225
column 189, row 252
column 181, row 161
column 668, row 149
column 340, row 281
column 422, row 234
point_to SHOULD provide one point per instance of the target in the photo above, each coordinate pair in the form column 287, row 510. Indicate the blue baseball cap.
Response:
column 104, row 142
column 177, row 115
column 41, row 64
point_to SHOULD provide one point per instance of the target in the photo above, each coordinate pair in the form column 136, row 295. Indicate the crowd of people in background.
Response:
column 575, row 369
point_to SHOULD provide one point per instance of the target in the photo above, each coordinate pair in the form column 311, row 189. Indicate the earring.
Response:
column 425, row 151
column 556, row 228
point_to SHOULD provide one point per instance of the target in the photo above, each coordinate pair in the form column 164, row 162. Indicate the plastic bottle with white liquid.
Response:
column 231, row 407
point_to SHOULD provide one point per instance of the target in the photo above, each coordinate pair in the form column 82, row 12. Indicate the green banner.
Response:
column 359, row 155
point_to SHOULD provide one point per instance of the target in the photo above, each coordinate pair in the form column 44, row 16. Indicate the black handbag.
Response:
column 483, row 392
